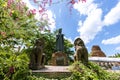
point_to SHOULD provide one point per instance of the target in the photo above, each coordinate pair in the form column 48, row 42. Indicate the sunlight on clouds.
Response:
column 113, row 40
column 85, row 8
column 118, row 48
column 51, row 20
column 113, row 16
column 92, row 24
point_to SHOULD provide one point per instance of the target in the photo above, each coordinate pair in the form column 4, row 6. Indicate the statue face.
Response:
column 39, row 42
column 60, row 31
column 80, row 43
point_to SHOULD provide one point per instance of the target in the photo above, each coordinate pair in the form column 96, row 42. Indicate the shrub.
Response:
column 13, row 65
column 90, row 72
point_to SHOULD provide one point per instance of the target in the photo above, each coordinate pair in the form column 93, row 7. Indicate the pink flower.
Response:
column 3, row 34
column 9, row 2
column 32, row 11
column 35, row 1
column 42, row 9
column 11, row 69
column 72, row 2
column 83, row 0
column 50, row 2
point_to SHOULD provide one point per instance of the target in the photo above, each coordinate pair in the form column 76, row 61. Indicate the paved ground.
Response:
column 53, row 69
column 62, row 69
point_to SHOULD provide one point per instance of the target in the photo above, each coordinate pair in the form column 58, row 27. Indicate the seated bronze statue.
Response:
column 37, row 57
column 81, row 53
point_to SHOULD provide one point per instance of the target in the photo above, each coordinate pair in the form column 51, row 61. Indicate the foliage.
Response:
column 90, row 72
column 82, row 72
column 13, row 65
column 17, row 24
column 18, row 27
column 53, row 75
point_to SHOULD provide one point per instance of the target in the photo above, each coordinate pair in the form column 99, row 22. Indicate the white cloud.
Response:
column 118, row 48
column 49, row 17
column 113, row 16
column 51, row 20
column 85, row 8
column 92, row 25
column 113, row 40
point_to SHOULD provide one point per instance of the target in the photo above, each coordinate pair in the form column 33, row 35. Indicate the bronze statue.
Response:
column 81, row 53
column 59, row 58
column 37, row 57
column 60, row 41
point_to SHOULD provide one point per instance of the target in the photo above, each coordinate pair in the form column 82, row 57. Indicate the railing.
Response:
column 107, row 63
column 104, row 59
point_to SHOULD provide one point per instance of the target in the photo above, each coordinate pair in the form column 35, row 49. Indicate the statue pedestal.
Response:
column 59, row 59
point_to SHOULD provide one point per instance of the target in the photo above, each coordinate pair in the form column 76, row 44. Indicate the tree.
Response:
column 18, row 27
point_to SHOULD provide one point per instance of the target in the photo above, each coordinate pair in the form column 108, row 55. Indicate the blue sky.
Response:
column 97, row 22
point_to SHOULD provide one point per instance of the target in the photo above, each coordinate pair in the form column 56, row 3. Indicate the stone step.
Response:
column 55, row 72
column 53, row 69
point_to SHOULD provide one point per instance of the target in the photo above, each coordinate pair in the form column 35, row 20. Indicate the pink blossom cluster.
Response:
column 14, row 5
column 3, row 34
column 9, row 2
column 72, row 2
column 43, row 3
column 32, row 11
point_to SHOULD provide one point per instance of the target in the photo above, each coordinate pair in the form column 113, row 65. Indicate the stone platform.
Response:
column 55, row 72
column 53, row 69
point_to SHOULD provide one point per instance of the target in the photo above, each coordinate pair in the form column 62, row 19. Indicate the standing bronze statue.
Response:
column 60, row 41
column 59, row 58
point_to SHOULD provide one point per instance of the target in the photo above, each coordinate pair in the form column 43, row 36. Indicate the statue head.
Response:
column 79, row 42
column 60, row 30
column 39, row 42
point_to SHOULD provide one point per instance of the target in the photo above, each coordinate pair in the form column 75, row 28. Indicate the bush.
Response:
column 90, row 72
column 13, row 65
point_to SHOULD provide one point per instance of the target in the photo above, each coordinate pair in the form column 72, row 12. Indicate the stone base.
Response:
column 59, row 59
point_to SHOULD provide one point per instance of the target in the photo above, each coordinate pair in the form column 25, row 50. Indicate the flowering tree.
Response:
column 43, row 4
column 18, row 25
